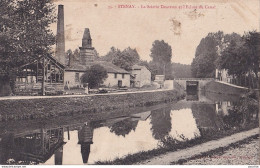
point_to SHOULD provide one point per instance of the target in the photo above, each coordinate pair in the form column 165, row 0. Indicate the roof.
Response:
column 76, row 67
column 51, row 58
column 139, row 67
column 110, row 68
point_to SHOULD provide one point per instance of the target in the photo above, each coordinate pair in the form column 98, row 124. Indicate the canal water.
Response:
column 197, row 116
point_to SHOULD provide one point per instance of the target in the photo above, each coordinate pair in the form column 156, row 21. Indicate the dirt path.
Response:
column 84, row 95
column 245, row 154
column 170, row 157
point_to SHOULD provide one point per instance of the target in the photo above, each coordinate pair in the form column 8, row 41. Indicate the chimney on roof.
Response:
column 60, row 38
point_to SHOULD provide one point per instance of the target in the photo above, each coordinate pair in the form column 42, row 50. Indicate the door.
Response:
column 119, row 83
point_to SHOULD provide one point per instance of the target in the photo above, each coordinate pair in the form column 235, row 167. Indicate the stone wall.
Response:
column 16, row 109
column 224, row 88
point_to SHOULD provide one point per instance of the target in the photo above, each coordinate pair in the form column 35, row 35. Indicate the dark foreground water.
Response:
column 102, row 140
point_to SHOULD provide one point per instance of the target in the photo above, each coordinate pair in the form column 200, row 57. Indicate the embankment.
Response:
column 44, row 107
column 224, row 88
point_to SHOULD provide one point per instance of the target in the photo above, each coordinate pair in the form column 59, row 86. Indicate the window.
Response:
column 76, row 77
column 123, row 76
column 115, row 75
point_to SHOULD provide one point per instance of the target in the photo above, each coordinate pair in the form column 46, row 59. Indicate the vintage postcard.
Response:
column 98, row 82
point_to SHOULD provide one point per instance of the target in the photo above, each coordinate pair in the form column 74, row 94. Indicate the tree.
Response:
column 94, row 76
column 252, row 43
column 203, row 65
column 72, row 57
column 25, row 35
column 181, row 70
column 110, row 55
column 124, row 59
column 241, row 57
column 207, row 52
column 68, row 57
column 161, row 54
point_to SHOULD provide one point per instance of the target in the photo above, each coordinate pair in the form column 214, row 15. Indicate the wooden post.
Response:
column 37, row 68
column 68, row 129
column 43, row 77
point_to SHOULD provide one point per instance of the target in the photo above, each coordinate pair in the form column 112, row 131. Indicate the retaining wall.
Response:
column 224, row 88
column 16, row 109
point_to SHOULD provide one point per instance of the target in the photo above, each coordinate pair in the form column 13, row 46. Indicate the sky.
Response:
column 182, row 26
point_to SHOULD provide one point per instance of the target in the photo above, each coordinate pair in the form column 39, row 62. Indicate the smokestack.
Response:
column 60, row 38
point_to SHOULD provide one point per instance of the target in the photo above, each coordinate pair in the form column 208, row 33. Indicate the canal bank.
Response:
column 19, row 108
column 202, row 149
column 217, row 121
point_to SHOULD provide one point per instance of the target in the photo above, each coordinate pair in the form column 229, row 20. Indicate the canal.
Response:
column 199, row 115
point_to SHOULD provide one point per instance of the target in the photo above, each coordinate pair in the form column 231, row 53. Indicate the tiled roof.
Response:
column 76, row 67
column 139, row 67
column 111, row 68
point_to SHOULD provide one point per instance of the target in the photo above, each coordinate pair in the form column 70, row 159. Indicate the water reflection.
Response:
column 85, row 136
column 111, row 138
column 123, row 127
column 33, row 148
column 161, row 122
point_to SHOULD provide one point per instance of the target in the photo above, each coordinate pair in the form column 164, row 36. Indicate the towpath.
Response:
column 170, row 157
column 83, row 95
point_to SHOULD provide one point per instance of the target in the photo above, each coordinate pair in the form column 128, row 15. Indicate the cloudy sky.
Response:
column 181, row 26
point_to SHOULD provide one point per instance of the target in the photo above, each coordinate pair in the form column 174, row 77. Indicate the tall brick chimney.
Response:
column 60, row 38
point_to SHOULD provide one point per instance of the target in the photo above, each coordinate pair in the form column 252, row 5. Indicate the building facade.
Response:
column 117, row 77
column 142, row 75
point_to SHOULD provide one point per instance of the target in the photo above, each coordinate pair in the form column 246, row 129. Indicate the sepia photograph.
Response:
column 133, row 82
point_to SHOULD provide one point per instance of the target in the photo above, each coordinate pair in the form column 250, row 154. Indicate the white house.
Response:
column 117, row 77
column 142, row 75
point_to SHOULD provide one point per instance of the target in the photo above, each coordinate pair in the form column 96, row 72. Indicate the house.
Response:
column 142, row 75
column 116, row 76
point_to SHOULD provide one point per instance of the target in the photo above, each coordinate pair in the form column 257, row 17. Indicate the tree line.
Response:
column 237, row 54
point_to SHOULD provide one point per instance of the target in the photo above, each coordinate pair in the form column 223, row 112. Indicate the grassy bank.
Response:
column 37, row 108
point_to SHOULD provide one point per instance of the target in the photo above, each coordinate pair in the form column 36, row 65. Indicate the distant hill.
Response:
column 181, row 70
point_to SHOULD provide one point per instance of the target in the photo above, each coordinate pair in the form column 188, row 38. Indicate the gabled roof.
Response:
column 110, row 68
column 139, row 67
column 49, row 57
column 76, row 67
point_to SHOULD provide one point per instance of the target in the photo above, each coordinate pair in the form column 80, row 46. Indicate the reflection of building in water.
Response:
column 223, row 107
column 85, row 136
column 32, row 148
